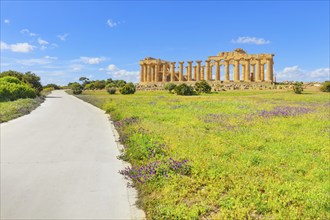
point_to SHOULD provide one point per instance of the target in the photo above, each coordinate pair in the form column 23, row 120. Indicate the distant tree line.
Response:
column 109, row 84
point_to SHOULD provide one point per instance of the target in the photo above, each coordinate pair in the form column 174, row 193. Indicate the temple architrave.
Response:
column 245, row 68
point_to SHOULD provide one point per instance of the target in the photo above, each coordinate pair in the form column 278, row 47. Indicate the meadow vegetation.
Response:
column 227, row 155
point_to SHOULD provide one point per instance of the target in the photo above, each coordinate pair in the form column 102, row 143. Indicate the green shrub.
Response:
column 111, row 90
column 202, row 87
column 30, row 78
column 54, row 86
column 10, row 79
column 298, row 87
column 12, row 91
column 76, row 88
column 184, row 89
column 170, row 87
column 90, row 86
column 111, row 85
column 129, row 88
column 325, row 86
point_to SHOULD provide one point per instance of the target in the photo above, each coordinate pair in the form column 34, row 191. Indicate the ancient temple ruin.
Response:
column 236, row 66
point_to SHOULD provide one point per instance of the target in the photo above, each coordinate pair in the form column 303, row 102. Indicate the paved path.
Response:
column 59, row 162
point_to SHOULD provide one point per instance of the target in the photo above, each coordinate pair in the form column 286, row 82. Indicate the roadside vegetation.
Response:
column 227, row 155
column 112, row 86
column 20, row 93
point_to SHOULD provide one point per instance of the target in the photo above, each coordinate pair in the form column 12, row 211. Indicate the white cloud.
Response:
column 42, row 42
column 4, row 46
column 76, row 67
column 28, row 32
column 18, row 47
column 92, row 60
column 6, row 21
column 111, row 68
column 294, row 73
column 63, row 36
column 51, row 58
column 116, row 73
column 36, row 61
column 112, row 23
column 250, row 40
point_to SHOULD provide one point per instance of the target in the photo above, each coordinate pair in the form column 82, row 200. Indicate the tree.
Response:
column 119, row 83
column 33, row 80
column 298, row 87
column 76, row 88
column 84, row 81
column 129, row 88
column 325, row 86
column 202, row 87
column 184, row 89
column 170, row 87
column 99, row 84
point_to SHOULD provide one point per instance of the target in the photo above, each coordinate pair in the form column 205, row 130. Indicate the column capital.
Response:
column 198, row 61
column 207, row 61
column 190, row 62
column 181, row 62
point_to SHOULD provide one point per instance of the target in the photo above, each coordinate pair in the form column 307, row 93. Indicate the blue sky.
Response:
column 63, row 40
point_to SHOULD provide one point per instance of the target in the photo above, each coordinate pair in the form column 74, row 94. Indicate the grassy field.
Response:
column 231, row 155
column 14, row 109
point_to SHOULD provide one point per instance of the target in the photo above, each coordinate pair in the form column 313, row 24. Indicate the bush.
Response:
column 11, row 89
column 129, row 88
column 170, row 87
column 111, row 90
column 202, row 87
column 90, row 86
column 54, row 86
column 10, row 79
column 298, row 87
column 110, row 85
column 184, row 89
column 76, row 88
column 30, row 78
column 325, row 86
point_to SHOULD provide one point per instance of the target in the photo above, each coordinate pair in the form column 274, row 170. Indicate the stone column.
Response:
column 152, row 71
column 195, row 73
column 181, row 71
column 141, row 72
column 198, row 73
column 217, row 70
column 227, row 78
column 269, row 73
column 202, row 73
column 186, row 71
column 236, row 71
column 262, row 72
column 148, row 73
column 257, row 74
column 189, row 70
column 172, row 71
column 243, row 73
column 164, row 73
column 253, row 73
column 156, row 73
column 208, row 70
column 247, row 71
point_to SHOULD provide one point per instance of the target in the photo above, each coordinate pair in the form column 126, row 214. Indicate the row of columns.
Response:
column 166, row 72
